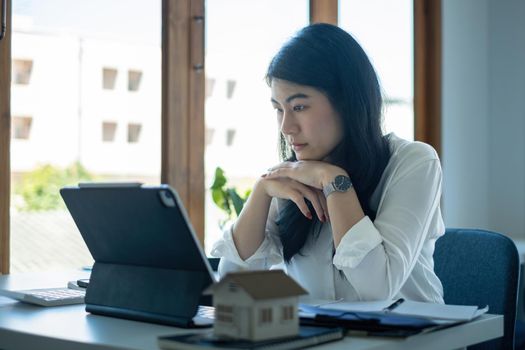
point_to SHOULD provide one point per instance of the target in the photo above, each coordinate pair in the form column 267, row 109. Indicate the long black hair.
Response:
column 330, row 60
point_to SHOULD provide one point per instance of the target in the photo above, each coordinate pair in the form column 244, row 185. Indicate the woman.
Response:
column 353, row 214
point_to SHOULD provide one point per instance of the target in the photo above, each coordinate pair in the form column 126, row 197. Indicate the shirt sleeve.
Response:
column 377, row 257
column 268, row 254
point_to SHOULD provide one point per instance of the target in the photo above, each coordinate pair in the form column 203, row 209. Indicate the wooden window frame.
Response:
column 427, row 71
column 183, row 86
column 5, row 142
column 183, row 104
column 324, row 11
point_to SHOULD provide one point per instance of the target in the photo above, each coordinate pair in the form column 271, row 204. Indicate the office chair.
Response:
column 478, row 267
column 214, row 262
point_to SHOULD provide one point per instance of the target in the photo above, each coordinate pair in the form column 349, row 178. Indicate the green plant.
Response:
column 39, row 188
column 227, row 198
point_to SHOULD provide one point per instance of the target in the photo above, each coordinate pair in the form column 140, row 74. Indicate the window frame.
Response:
column 5, row 143
column 427, row 72
column 182, row 125
column 183, row 95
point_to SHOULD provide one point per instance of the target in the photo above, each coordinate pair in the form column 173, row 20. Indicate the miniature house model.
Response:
column 256, row 305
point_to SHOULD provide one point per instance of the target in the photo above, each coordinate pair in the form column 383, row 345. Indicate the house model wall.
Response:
column 256, row 305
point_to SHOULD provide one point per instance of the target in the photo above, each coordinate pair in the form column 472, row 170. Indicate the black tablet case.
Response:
column 148, row 264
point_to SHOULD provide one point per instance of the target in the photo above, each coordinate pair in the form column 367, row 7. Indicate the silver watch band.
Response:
column 341, row 183
column 328, row 189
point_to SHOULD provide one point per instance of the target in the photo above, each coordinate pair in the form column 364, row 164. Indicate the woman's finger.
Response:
column 281, row 165
column 322, row 200
column 298, row 198
column 297, row 192
column 278, row 173
column 311, row 195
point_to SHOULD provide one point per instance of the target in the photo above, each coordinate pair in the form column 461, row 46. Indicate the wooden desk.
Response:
column 24, row 326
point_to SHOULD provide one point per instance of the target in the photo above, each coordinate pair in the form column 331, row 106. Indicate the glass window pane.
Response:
column 385, row 30
column 22, row 71
column 86, row 101
column 241, row 128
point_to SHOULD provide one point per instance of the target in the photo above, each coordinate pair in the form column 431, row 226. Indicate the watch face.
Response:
column 342, row 183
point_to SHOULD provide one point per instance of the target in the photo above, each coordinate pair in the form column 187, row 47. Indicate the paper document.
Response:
column 410, row 308
column 440, row 311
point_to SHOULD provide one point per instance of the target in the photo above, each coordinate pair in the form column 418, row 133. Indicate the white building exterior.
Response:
column 67, row 105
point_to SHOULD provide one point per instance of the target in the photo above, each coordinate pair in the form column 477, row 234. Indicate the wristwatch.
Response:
column 341, row 183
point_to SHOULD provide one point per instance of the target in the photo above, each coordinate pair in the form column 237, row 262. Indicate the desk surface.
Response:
column 24, row 326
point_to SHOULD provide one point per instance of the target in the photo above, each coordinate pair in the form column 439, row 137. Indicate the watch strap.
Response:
column 328, row 189
column 341, row 183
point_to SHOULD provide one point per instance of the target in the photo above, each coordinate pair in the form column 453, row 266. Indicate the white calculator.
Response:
column 47, row 296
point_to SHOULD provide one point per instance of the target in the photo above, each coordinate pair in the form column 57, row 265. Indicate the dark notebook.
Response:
column 308, row 336
column 371, row 323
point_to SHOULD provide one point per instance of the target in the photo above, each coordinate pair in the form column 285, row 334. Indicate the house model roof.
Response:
column 262, row 284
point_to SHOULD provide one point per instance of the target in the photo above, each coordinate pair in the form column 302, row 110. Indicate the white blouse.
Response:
column 389, row 258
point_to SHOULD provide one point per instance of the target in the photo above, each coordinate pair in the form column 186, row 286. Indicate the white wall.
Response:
column 484, row 115
column 507, row 116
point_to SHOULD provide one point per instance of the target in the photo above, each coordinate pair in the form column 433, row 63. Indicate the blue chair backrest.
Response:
column 214, row 263
column 481, row 268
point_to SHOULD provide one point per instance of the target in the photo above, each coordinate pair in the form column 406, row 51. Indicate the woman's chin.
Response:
column 306, row 157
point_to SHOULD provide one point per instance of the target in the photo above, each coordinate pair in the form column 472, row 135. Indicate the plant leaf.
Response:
column 219, row 179
column 218, row 197
column 237, row 201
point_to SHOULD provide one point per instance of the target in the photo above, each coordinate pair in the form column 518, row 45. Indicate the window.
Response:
column 265, row 315
column 134, row 132
column 230, row 136
column 287, row 313
column 238, row 52
column 134, row 78
column 210, row 83
column 109, row 129
column 224, row 313
column 82, row 127
column 209, row 136
column 22, row 71
column 385, row 31
column 232, row 287
column 77, row 93
column 230, row 87
column 109, row 78
column 21, row 127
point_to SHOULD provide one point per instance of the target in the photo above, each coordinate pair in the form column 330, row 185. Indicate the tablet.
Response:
column 149, row 264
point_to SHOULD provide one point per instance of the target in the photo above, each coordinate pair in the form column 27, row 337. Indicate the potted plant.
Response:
column 227, row 198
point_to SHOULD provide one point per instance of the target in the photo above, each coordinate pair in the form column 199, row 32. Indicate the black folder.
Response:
column 148, row 262
column 369, row 323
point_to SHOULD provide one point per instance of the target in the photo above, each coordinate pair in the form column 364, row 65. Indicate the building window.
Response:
column 224, row 313
column 134, row 132
column 232, row 287
column 230, row 136
column 109, row 78
column 208, row 87
column 22, row 71
column 21, row 127
column 208, row 137
column 109, row 129
column 134, row 79
column 287, row 313
column 265, row 315
column 230, row 88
